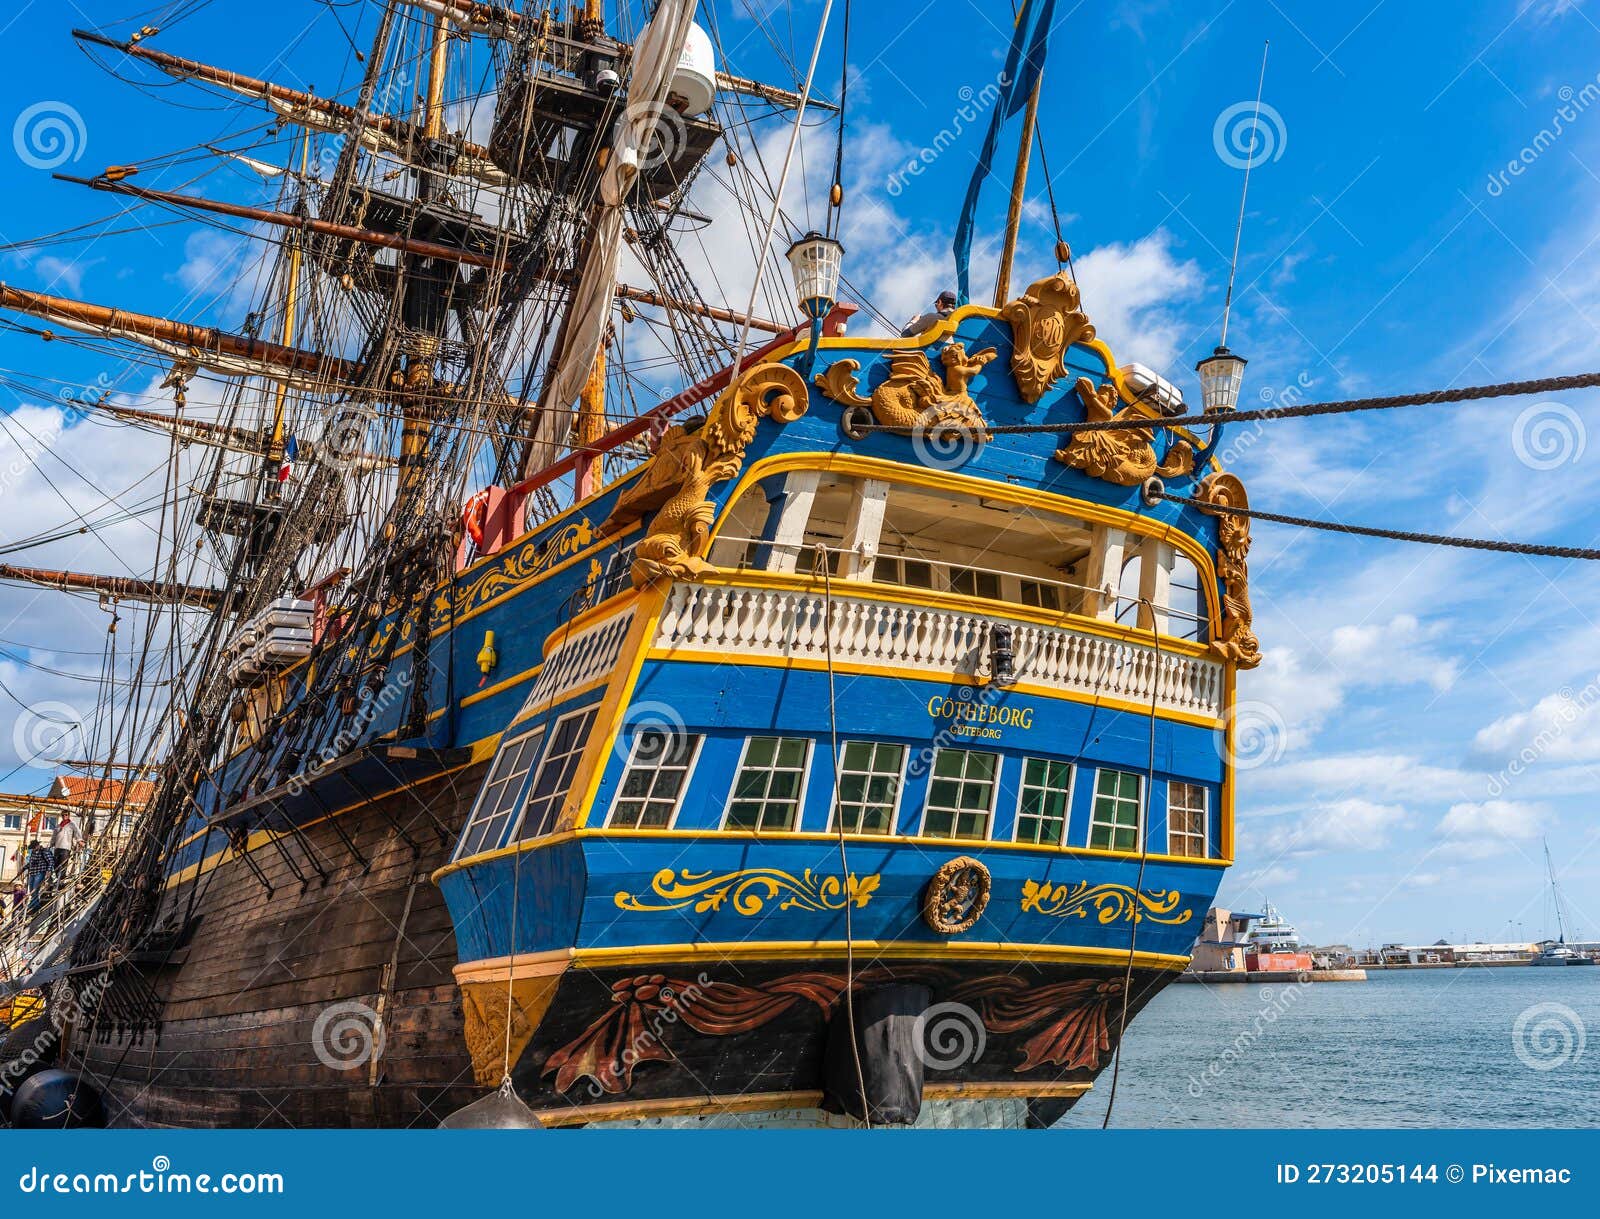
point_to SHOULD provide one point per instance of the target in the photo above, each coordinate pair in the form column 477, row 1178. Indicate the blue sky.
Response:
column 1387, row 248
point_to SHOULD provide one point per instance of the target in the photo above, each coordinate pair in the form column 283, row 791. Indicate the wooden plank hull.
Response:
column 330, row 1005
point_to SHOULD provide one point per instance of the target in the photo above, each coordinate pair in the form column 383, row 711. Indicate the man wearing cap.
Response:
column 942, row 308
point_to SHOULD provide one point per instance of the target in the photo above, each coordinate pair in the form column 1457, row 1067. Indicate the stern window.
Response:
column 1115, row 823
column 653, row 784
column 961, row 795
column 499, row 794
column 1042, row 813
column 550, row 785
column 1186, row 820
column 766, row 794
column 869, row 786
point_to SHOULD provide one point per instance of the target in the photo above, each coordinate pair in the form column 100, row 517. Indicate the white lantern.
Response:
column 815, row 260
column 1221, row 375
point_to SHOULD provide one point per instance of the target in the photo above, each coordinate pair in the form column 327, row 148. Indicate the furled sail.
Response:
column 655, row 60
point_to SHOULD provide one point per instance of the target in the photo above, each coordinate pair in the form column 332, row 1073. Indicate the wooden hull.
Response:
column 268, row 1014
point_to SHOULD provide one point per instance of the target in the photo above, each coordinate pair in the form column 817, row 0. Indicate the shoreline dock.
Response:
column 1273, row 975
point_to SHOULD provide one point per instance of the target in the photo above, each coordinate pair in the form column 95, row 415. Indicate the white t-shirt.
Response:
column 66, row 837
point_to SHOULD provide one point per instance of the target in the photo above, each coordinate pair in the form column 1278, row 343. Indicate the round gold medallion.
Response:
column 957, row 896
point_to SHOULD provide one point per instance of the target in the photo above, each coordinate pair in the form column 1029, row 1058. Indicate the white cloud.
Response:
column 1343, row 825
column 1489, row 828
column 1560, row 727
column 1135, row 291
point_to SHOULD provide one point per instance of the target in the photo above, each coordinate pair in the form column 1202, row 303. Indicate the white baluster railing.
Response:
column 700, row 618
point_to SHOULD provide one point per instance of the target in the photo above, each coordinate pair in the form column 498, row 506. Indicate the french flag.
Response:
column 290, row 451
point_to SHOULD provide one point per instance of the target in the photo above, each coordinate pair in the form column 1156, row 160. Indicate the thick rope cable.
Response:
column 1473, row 393
column 821, row 568
column 1143, row 830
column 1393, row 535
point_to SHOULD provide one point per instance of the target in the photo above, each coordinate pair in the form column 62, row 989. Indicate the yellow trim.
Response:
column 611, row 607
column 907, row 840
column 1026, row 497
column 588, row 687
column 591, row 767
column 925, row 675
column 772, row 1102
column 536, row 964
column 500, row 687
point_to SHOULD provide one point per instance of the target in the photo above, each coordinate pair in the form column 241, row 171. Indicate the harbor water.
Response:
column 1516, row 1047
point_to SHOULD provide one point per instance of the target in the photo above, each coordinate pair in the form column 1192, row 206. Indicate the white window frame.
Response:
column 1022, row 788
column 994, row 794
column 9, row 818
column 545, row 758
column 800, row 796
column 1141, row 811
column 535, row 739
column 1205, row 818
column 677, row 805
column 835, row 814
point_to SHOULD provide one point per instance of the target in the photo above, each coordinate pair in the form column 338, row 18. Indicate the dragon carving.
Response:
column 915, row 397
column 1238, row 642
column 1045, row 321
column 1126, row 457
column 693, row 457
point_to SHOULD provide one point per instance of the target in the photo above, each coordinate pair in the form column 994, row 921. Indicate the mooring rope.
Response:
column 1470, row 393
column 1394, row 535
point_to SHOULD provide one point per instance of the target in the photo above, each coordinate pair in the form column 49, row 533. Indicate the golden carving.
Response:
column 750, row 889
column 1111, row 903
column 914, row 397
column 485, row 1006
column 689, row 462
column 1238, row 642
column 1045, row 321
column 957, row 896
column 1126, row 457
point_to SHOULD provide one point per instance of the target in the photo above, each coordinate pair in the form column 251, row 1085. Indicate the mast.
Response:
column 1555, row 894
column 286, row 330
column 591, row 421
column 1019, row 183
column 421, row 305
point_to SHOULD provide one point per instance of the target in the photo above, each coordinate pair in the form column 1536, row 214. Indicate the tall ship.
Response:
column 843, row 736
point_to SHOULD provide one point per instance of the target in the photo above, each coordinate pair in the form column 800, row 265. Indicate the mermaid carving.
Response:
column 691, row 459
column 1126, row 457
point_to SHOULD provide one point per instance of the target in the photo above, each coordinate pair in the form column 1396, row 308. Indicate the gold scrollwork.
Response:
column 1045, row 321
column 689, row 461
column 1111, row 903
column 1126, row 457
column 750, row 889
column 1238, row 642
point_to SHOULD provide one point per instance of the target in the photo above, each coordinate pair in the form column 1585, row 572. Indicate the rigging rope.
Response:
column 1471, row 393
column 1144, row 857
column 820, row 567
column 1393, row 535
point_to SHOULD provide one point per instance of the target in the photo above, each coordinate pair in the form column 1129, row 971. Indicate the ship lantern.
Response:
column 1002, row 655
column 815, row 262
column 1221, row 375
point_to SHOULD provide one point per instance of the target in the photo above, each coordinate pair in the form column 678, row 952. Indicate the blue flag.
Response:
column 1029, row 44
